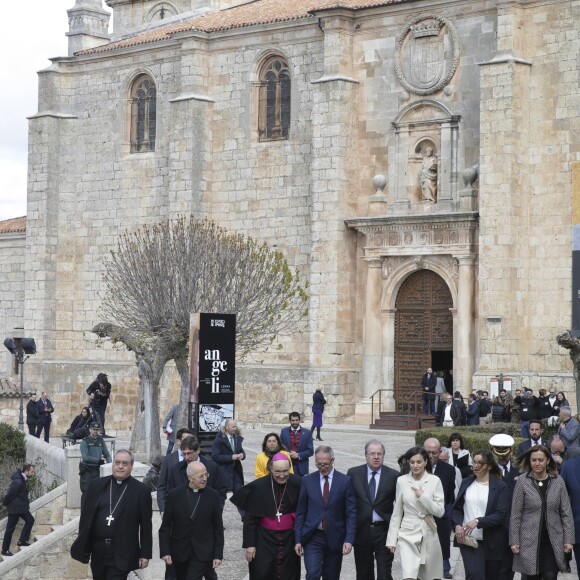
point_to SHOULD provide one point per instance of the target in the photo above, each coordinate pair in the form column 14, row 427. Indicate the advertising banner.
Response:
column 213, row 352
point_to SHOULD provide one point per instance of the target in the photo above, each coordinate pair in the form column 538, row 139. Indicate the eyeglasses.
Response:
column 478, row 463
column 318, row 464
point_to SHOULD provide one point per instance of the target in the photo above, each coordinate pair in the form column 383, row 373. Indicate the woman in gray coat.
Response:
column 541, row 525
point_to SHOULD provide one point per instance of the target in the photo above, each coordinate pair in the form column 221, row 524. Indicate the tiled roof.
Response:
column 249, row 14
column 9, row 387
column 13, row 226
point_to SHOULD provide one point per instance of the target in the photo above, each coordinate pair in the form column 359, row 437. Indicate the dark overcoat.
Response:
column 133, row 535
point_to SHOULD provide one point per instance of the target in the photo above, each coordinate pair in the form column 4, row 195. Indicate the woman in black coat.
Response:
column 79, row 428
column 480, row 512
column 318, row 402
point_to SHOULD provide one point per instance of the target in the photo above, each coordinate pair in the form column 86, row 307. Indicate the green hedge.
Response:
column 12, row 444
column 477, row 437
column 12, row 457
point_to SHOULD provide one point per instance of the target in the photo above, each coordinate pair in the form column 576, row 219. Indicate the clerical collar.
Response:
column 120, row 481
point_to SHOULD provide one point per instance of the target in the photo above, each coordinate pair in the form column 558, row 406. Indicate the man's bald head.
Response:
column 197, row 475
column 433, row 448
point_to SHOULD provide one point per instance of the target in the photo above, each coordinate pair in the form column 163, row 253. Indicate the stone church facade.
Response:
column 414, row 159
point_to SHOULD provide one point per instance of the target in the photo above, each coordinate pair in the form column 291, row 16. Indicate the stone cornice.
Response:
column 54, row 114
column 192, row 97
column 333, row 78
column 449, row 233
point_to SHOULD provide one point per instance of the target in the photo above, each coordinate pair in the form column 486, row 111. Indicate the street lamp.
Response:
column 19, row 347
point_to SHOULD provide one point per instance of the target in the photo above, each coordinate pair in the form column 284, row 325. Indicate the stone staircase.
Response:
column 55, row 529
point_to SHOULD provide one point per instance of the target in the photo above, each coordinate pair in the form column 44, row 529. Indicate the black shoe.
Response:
column 23, row 544
column 447, row 575
column 7, row 553
column 319, row 439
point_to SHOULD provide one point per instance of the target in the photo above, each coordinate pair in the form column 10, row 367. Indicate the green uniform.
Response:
column 92, row 450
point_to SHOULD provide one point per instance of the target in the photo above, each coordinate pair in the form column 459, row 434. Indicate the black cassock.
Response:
column 263, row 500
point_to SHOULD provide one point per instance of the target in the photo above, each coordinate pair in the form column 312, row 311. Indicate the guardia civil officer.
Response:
column 94, row 453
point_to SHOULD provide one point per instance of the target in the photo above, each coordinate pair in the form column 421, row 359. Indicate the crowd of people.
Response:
column 289, row 517
column 521, row 407
column 505, row 513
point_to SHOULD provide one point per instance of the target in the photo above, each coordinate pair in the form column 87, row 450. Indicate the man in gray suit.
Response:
column 375, row 487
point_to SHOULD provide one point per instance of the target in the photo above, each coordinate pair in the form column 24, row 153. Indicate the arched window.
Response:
column 274, row 104
column 143, row 115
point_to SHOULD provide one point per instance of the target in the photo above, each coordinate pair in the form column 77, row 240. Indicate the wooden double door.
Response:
column 423, row 331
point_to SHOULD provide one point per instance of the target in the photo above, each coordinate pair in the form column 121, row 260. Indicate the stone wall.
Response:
column 529, row 120
column 12, row 256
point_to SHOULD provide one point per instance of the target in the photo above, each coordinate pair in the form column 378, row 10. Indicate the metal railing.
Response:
column 410, row 405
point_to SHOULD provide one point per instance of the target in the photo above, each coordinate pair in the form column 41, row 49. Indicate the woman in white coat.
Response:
column 419, row 499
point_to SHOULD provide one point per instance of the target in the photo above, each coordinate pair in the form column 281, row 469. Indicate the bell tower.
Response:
column 88, row 25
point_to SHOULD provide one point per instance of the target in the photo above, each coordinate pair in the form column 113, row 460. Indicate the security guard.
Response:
column 501, row 445
column 94, row 453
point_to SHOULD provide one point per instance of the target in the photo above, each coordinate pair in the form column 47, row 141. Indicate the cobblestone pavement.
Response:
column 348, row 443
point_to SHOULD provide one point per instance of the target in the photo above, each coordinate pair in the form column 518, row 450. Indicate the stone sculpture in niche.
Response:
column 428, row 176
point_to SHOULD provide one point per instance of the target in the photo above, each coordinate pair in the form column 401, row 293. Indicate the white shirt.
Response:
column 505, row 468
column 475, row 505
column 447, row 415
column 322, row 480
column 376, row 516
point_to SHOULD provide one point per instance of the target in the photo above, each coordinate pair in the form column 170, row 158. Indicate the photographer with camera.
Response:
column 99, row 392
column 94, row 453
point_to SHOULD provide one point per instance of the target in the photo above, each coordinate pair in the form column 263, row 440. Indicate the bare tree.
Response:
column 158, row 275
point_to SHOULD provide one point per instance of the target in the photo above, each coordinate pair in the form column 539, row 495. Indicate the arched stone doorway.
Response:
column 423, row 330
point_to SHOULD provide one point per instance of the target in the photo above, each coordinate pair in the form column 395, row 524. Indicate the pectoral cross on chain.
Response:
column 110, row 518
column 278, row 514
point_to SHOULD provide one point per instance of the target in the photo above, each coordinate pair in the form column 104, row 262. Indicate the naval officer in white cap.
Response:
column 501, row 445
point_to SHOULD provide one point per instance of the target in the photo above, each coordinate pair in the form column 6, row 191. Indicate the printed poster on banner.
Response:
column 217, row 366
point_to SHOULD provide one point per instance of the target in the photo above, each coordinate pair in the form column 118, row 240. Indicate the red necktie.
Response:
column 325, row 494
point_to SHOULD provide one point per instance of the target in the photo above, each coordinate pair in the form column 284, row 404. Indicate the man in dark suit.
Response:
column 115, row 525
column 298, row 441
column 536, row 431
column 168, row 462
column 446, row 473
column 228, row 453
column 325, row 526
column 375, row 487
column 191, row 536
column 501, row 446
column 17, row 505
column 571, row 475
column 428, row 384
column 45, row 410
column 178, row 474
